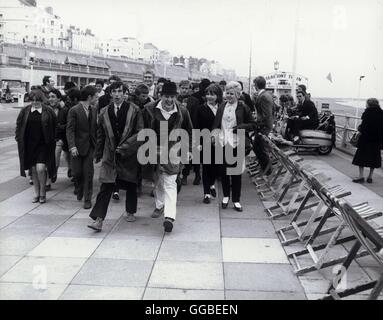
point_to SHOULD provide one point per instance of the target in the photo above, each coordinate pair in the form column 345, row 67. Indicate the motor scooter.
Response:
column 322, row 139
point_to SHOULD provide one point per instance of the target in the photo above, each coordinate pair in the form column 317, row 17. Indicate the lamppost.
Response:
column 276, row 67
column 32, row 56
column 357, row 105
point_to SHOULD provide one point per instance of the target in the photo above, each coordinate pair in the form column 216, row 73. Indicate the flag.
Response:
column 329, row 77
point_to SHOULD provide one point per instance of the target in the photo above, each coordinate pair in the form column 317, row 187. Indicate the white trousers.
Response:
column 166, row 194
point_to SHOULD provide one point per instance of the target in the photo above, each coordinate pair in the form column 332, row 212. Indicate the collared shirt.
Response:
column 213, row 108
column 86, row 109
column 260, row 92
column 151, row 90
column 229, row 121
column 167, row 114
column 116, row 108
column 39, row 110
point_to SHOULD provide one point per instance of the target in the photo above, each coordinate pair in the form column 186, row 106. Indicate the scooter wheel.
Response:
column 324, row 150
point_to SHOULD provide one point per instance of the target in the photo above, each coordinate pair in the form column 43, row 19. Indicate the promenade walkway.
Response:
column 47, row 252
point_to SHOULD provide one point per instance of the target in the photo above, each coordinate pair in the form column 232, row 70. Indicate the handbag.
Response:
column 355, row 138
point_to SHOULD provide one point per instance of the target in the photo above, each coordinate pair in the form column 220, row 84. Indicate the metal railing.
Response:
column 346, row 126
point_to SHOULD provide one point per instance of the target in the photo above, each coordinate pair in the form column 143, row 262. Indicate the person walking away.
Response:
column 370, row 143
column 117, row 146
column 81, row 136
column 35, row 136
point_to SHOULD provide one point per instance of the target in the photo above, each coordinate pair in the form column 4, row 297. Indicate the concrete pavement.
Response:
column 47, row 252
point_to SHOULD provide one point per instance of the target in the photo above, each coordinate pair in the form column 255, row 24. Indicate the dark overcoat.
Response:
column 49, row 123
column 368, row 153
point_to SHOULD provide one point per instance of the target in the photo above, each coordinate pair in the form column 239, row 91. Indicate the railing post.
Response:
column 345, row 130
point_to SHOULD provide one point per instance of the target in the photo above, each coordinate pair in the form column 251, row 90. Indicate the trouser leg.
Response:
column 170, row 195
column 236, row 185
column 261, row 152
column 208, row 177
column 225, row 180
column 77, row 174
column 159, row 192
column 100, row 209
column 131, row 198
column 88, row 173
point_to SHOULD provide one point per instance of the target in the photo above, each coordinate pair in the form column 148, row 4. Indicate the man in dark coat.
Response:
column 81, row 136
column 117, row 146
column 167, row 111
column 246, row 98
column 193, row 103
column 264, row 105
column 307, row 115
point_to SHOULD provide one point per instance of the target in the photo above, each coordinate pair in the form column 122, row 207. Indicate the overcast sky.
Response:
column 344, row 37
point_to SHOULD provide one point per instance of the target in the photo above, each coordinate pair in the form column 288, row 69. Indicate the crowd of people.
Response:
column 100, row 123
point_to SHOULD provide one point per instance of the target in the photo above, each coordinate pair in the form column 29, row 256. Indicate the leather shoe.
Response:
column 43, row 199
column 225, row 205
column 197, row 180
column 116, row 196
column 157, row 213
column 369, row 180
column 213, row 192
column 238, row 208
column 168, row 225
column 96, row 225
column 358, row 180
column 206, row 200
column 87, row 205
column 79, row 196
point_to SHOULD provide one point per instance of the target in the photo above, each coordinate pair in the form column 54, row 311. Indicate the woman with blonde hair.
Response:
column 231, row 115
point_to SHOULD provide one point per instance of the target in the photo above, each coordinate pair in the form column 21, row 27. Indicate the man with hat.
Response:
column 167, row 110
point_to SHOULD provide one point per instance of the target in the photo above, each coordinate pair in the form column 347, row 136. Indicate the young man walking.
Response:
column 117, row 146
column 81, row 135
column 169, row 111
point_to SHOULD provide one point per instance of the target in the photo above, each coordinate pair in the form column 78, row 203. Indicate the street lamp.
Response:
column 357, row 105
column 32, row 56
column 276, row 67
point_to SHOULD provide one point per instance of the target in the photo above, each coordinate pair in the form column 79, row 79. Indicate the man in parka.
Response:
column 117, row 146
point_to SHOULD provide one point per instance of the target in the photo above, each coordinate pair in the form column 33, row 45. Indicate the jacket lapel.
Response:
column 109, row 129
column 128, row 127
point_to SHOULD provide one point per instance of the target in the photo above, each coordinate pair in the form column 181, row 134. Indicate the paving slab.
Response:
column 187, row 275
column 183, row 294
column 78, row 228
column 20, row 244
column 66, row 247
column 202, row 212
column 114, row 273
column 261, row 277
column 44, row 270
column 6, row 221
column 253, row 250
column 249, row 212
column 7, row 262
column 26, row 291
column 79, row 292
column 203, row 251
column 263, row 295
column 244, row 228
column 129, row 249
column 187, row 230
column 142, row 227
